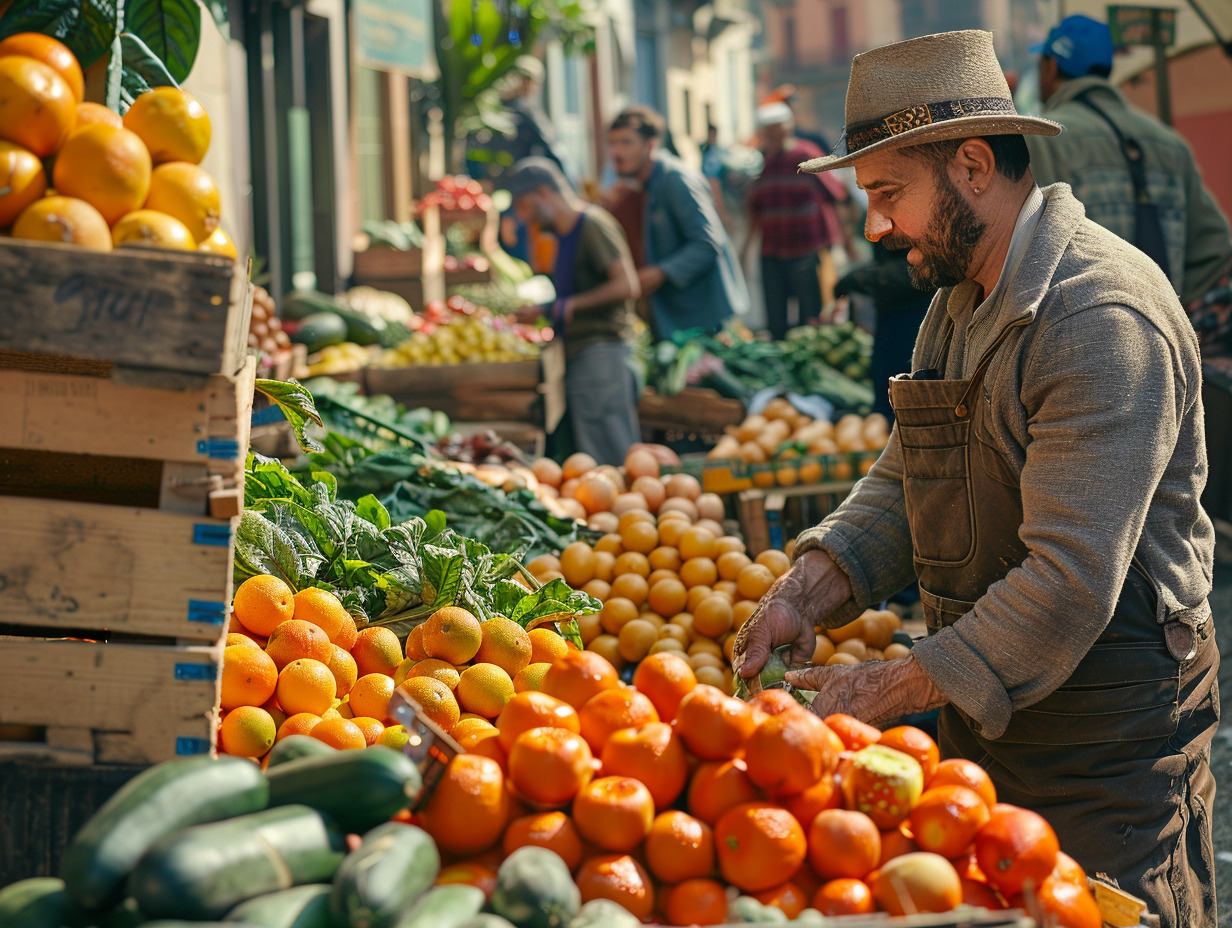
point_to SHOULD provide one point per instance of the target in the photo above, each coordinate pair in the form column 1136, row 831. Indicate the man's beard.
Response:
column 948, row 244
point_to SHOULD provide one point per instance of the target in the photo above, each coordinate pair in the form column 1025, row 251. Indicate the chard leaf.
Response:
column 297, row 405
column 261, row 547
column 370, row 508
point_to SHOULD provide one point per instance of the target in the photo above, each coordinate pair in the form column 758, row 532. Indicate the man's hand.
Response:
column 651, row 279
column 812, row 589
column 875, row 692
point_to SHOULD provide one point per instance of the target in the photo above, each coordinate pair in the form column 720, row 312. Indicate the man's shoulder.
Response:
column 602, row 221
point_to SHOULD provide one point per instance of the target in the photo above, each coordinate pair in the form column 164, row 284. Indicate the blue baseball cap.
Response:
column 1078, row 43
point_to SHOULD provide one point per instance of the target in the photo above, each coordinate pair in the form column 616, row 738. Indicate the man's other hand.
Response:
column 650, row 279
column 876, row 692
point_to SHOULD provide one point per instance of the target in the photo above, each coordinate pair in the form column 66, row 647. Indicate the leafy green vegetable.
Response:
column 297, row 405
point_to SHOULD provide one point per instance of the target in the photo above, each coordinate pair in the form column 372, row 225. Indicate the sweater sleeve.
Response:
column 1104, row 400
column 692, row 207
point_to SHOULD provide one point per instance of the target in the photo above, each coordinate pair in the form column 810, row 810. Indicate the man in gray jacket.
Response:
column 1074, row 66
column 1042, row 483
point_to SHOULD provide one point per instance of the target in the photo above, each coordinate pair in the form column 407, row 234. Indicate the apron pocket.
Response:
column 938, row 494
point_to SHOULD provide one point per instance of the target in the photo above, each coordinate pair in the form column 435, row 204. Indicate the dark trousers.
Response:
column 783, row 278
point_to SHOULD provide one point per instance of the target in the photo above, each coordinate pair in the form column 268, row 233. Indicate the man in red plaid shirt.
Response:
column 797, row 217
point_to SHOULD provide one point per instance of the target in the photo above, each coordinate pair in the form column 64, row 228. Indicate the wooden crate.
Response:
column 158, row 317
column 509, row 391
column 692, row 411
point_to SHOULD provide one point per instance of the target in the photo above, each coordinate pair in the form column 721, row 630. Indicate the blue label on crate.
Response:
column 192, row 745
column 204, row 534
column 268, row 416
column 195, row 672
column 223, row 448
column 207, row 611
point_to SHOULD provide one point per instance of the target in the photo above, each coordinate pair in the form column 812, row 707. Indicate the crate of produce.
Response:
column 693, row 411
column 159, row 317
column 509, row 391
column 733, row 475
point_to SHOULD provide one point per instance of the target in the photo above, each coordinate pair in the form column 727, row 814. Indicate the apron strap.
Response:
column 977, row 377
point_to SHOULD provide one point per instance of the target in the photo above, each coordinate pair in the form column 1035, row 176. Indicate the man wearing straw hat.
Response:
column 1042, row 483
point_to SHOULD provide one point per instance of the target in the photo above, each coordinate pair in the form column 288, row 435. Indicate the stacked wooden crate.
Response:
column 126, row 392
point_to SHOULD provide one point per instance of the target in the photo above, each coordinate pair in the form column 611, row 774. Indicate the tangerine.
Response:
column 552, row 830
column 371, row 728
column 614, row 813
column 958, row 771
column 679, row 847
column 788, row 898
column 713, row 725
column 485, row 743
column 431, row 667
column 312, row 604
column 651, row 753
column 817, row 798
column 434, row 697
column 342, row 734
column 534, row 710
column 1016, row 847
column 1071, row 904
column 377, row 650
column 914, row 743
column 854, row 733
column 697, row 902
column 665, row 679
column 609, row 711
column 306, row 685
column 530, row 677
column 718, row 786
column 546, row 645
column 843, row 843
column 262, row 603
column 757, row 844
column 300, row 723
column 370, row 695
column 470, row 807
column 249, row 677
column 789, row 752
column 577, row 676
column 621, row 879
column 550, row 765
column 844, row 896
column 295, row 639
column 946, row 818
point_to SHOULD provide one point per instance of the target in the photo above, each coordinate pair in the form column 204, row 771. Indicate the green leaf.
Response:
column 87, row 27
column 442, row 573
column 171, row 29
column 218, row 10
column 261, row 547
column 141, row 70
column 370, row 508
column 297, row 405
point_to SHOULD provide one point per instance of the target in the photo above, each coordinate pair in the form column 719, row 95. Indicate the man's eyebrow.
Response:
column 878, row 184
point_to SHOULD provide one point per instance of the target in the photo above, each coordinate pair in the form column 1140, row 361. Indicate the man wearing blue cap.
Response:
column 1135, row 176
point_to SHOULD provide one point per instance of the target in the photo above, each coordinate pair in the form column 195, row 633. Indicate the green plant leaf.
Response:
column 261, row 547
column 170, row 28
column 296, row 404
column 218, row 10
column 87, row 27
column 141, row 70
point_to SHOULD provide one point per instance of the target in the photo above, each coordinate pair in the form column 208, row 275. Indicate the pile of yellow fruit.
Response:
column 470, row 339
column 870, row 637
column 130, row 181
column 780, row 432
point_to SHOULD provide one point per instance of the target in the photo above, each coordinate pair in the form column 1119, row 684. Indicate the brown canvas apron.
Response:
column 1117, row 758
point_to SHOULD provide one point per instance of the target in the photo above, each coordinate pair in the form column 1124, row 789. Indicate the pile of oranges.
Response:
column 671, row 798
column 117, row 181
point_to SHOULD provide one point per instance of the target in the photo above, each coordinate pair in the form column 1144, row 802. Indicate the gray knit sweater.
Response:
column 1096, row 405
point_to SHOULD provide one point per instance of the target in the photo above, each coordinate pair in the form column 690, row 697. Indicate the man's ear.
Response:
column 975, row 165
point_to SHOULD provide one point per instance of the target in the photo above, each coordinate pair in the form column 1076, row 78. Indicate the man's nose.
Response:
column 876, row 226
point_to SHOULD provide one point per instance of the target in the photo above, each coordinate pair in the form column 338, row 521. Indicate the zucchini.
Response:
column 534, row 889
column 154, row 803
column 443, row 907
column 320, row 330
column 35, row 903
column 360, row 789
column 293, row 747
column 604, row 913
column 203, row 872
column 393, row 867
column 300, row 304
column 298, row 907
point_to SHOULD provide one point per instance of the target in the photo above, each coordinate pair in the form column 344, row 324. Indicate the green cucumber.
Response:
column 39, row 902
column 443, row 907
column 203, row 872
column 393, row 867
column 604, row 913
column 534, row 889
column 293, row 747
column 360, row 789
column 300, row 304
column 154, row 803
column 298, row 907
column 320, row 330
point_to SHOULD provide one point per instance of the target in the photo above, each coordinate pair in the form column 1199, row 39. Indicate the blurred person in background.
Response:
column 688, row 270
column 530, row 133
column 1135, row 176
column 596, row 284
column 796, row 217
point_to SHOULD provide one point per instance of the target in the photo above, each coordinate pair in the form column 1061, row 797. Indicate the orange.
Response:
column 914, row 743
column 262, row 603
column 473, row 723
column 577, row 564
column 146, row 228
column 171, row 123
column 790, row 752
column 504, row 643
column 1071, row 904
column 218, row 242
column 484, row 689
column 817, row 798
column 631, row 587
column 301, row 723
column 1068, row 869
column 296, row 638
column 371, row 728
column 485, row 743
column 679, row 847
column 697, row 902
column 668, row 597
column 247, row 731
column 22, row 180
column 306, row 685
column 188, row 193
column 87, row 114
column 958, row 771
column 249, row 676
column 37, row 107
column 577, row 676
column 609, row 711
column 549, row 765
column 348, row 634
column 446, row 673
column 50, row 52
column 609, row 544
column 452, row 634
column 770, row 703
column 238, row 638
column 731, row 563
column 713, row 725
column 718, row 786
column 665, row 679
column 698, row 571
column 631, row 562
column 63, row 219
column 757, row 844
column 753, row 581
column 546, row 645
column 614, row 813
column 342, row 734
column 698, row 542
column 843, row 843
column 854, row 733
column 107, row 167
column 664, row 557
column 433, row 696
column 469, row 808
column 620, row 878
column 553, row 830
column 469, row 873
column 946, row 818
column 713, row 616
column 916, row 883
column 1016, row 847
column 534, row 710
column 414, row 645
column 638, row 536
column 788, row 898
column 403, row 670
column 778, row 562
column 376, row 650
column 895, row 842
column 530, row 677
column 312, row 604
column 652, row 754
column 844, row 896
column 616, row 614
column 370, row 695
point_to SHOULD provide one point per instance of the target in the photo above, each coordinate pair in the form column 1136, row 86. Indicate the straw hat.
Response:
column 945, row 86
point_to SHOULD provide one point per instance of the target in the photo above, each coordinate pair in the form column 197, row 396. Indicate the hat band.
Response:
column 864, row 134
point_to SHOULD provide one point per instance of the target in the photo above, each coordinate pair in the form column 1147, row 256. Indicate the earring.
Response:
column 977, row 190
